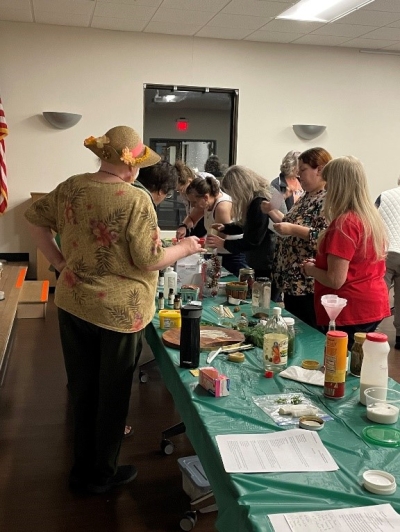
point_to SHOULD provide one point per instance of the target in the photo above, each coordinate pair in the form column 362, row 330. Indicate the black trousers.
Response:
column 100, row 365
column 302, row 307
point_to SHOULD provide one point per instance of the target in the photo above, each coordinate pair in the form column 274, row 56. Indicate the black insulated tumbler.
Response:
column 190, row 336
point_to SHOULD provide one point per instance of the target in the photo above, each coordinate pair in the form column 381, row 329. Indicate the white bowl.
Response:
column 234, row 301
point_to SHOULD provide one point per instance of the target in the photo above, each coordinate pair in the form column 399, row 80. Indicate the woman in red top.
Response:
column 350, row 261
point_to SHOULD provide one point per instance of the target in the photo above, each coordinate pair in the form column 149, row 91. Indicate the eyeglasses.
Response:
column 169, row 195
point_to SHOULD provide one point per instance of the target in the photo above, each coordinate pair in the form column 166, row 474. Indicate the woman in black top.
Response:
column 248, row 190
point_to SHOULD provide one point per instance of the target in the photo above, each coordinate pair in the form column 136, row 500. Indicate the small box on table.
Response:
column 214, row 382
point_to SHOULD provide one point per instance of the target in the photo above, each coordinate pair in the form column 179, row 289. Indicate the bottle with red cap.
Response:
column 335, row 364
column 374, row 369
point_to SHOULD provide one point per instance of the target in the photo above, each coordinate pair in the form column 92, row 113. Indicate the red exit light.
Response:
column 182, row 125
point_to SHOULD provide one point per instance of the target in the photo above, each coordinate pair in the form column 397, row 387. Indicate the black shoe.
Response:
column 397, row 344
column 124, row 475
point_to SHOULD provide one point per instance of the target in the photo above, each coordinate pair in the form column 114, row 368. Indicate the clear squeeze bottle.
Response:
column 374, row 369
column 276, row 339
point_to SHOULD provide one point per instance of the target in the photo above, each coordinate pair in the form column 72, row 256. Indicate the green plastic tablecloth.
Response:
column 244, row 500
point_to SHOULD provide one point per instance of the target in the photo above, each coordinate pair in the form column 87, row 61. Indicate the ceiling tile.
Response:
column 74, row 7
column 368, row 43
column 290, row 26
column 171, row 29
column 223, row 33
column 16, row 4
column 321, row 40
column 237, row 21
column 394, row 47
column 108, row 23
column 178, row 16
column 394, row 24
column 15, row 15
column 119, row 10
column 196, row 5
column 343, row 30
column 147, row 3
column 384, row 5
column 369, row 18
column 62, row 19
column 273, row 36
column 384, row 33
column 256, row 8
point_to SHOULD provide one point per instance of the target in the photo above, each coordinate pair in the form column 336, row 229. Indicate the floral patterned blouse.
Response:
column 291, row 251
column 108, row 234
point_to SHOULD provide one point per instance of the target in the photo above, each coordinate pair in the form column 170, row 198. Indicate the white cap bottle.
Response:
column 374, row 369
column 170, row 280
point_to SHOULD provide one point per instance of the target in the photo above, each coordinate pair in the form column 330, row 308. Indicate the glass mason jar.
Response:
column 357, row 354
column 247, row 274
column 261, row 296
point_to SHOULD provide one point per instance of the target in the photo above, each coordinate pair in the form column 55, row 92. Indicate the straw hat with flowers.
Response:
column 122, row 144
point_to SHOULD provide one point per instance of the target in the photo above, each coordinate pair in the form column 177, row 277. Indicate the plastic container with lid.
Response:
column 379, row 482
column 194, row 480
column 374, row 369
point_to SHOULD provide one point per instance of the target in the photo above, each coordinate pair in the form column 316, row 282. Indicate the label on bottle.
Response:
column 275, row 349
column 335, row 364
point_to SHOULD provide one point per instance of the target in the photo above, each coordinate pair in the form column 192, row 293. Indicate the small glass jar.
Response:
column 357, row 354
column 261, row 296
column 291, row 335
column 247, row 274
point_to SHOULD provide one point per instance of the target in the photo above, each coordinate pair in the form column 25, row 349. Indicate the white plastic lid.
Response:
column 169, row 269
column 379, row 482
column 311, row 423
column 277, row 311
column 289, row 321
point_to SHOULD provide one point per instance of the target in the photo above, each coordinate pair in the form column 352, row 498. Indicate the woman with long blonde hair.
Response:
column 248, row 190
column 350, row 260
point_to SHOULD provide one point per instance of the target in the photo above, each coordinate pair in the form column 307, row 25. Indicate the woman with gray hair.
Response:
column 287, row 182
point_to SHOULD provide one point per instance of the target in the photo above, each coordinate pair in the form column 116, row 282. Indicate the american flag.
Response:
column 3, row 173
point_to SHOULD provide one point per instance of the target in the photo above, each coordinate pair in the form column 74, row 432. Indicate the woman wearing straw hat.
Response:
column 111, row 254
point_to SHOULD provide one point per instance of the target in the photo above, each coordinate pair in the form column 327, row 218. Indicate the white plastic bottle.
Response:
column 374, row 369
column 276, row 339
column 170, row 281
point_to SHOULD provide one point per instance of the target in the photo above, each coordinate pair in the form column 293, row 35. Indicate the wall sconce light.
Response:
column 308, row 131
column 61, row 120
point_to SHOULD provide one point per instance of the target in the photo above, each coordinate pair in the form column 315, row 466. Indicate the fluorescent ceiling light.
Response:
column 322, row 10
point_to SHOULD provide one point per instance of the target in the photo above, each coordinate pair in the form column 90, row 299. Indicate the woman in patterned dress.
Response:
column 299, row 230
column 111, row 254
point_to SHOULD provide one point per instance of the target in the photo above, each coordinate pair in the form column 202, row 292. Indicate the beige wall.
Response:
column 100, row 74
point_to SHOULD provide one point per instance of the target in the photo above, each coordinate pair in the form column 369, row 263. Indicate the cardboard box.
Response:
column 32, row 302
column 214, row 382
